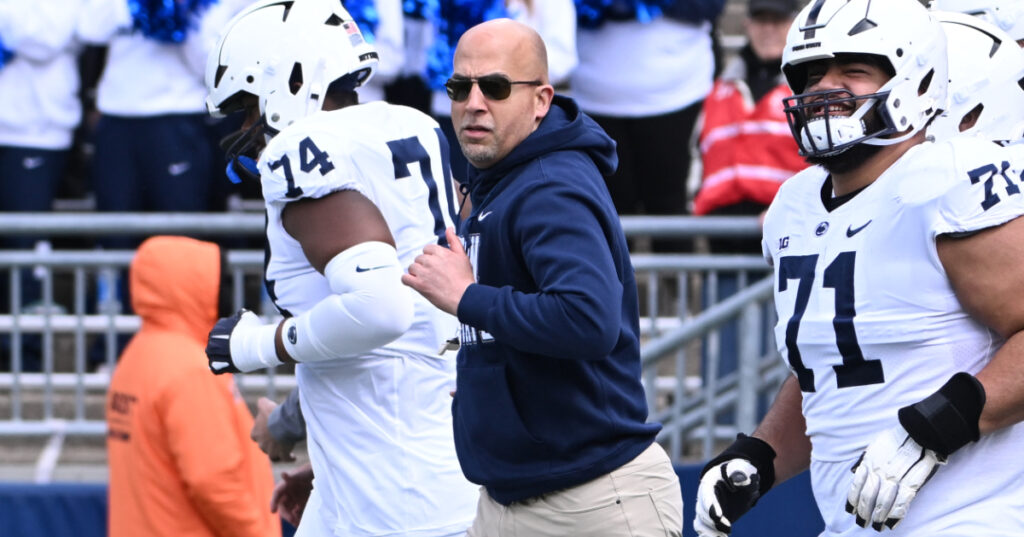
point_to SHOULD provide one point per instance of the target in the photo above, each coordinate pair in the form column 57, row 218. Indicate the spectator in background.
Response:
column 409, row 88
column 549, row 413
column 39, row 84
column 555, row 21
column 382, row 23
column 1007, row 15
column 181, row 462
column 746, row 147
column 644, row 69
column 154, row 149
column 747, row 151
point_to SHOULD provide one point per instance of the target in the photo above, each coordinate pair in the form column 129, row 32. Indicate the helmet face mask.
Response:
column 897, row 36
column 824, row 134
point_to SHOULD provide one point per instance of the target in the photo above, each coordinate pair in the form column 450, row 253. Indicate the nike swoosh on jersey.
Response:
column 220, row 336
column 178, row 168
column 31, row 163
column 851, row 231
column 483, row 215
column 368, row 269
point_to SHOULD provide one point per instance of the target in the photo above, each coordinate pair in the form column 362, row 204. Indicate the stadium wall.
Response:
column 79, row 510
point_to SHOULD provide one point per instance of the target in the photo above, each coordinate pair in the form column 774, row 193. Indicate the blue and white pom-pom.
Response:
column 5, row 54
column 453, row 18
column 167, row 21
column 592, row 13
column 421, row 9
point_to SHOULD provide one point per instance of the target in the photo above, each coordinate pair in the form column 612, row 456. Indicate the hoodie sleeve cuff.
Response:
column 475, row 304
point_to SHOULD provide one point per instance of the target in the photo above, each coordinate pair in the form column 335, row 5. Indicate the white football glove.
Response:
column 887, row 477
column 726, row 491
column 241, row 343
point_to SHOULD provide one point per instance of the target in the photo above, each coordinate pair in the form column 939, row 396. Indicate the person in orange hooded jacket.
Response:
column 181, row 461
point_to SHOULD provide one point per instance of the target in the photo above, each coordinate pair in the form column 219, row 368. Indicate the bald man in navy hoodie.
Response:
column 549, row 412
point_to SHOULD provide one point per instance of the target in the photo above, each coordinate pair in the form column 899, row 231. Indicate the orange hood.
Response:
column 175, row 283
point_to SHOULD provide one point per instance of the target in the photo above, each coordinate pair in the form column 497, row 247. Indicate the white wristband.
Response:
column 252, row 344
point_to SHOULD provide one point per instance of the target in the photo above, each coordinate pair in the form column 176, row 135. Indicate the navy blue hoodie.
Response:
column 548, row 392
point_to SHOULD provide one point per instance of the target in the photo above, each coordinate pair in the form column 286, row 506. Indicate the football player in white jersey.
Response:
column 986, row 81
column 1007, row 15
column 353, row 193
column 898, row 282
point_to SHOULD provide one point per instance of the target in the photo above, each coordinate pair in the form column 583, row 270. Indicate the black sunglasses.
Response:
column 494, row 87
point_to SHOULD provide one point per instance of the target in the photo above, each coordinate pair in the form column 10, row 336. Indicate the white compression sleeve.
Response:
column 370, row 307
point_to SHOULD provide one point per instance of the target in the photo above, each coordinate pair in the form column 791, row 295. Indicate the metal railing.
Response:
column 698, row 401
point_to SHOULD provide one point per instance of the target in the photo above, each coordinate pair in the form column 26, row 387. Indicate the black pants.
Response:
column 654, row 165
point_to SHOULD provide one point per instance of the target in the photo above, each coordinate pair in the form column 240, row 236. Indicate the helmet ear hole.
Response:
column 295, row 80
column 925, row 82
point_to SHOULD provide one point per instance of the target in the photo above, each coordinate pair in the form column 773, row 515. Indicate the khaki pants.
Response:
column 639, row 499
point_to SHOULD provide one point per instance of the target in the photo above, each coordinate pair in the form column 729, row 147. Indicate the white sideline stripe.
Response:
column 101, row 381
column 69, row 323
column 47, row 461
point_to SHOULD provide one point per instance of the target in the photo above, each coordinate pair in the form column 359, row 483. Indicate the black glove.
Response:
column 234, row 344
column 732, row 483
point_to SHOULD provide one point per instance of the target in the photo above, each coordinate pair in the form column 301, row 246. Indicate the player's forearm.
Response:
column 1003, row 379
column 783, row 427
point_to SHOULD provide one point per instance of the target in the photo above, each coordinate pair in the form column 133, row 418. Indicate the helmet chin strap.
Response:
column 892, row 141
column 242, row 168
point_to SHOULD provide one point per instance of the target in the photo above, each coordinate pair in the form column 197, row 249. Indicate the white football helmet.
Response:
column 287, row 53
column 901, row 35
column 1007, row 15
column 986, row 70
